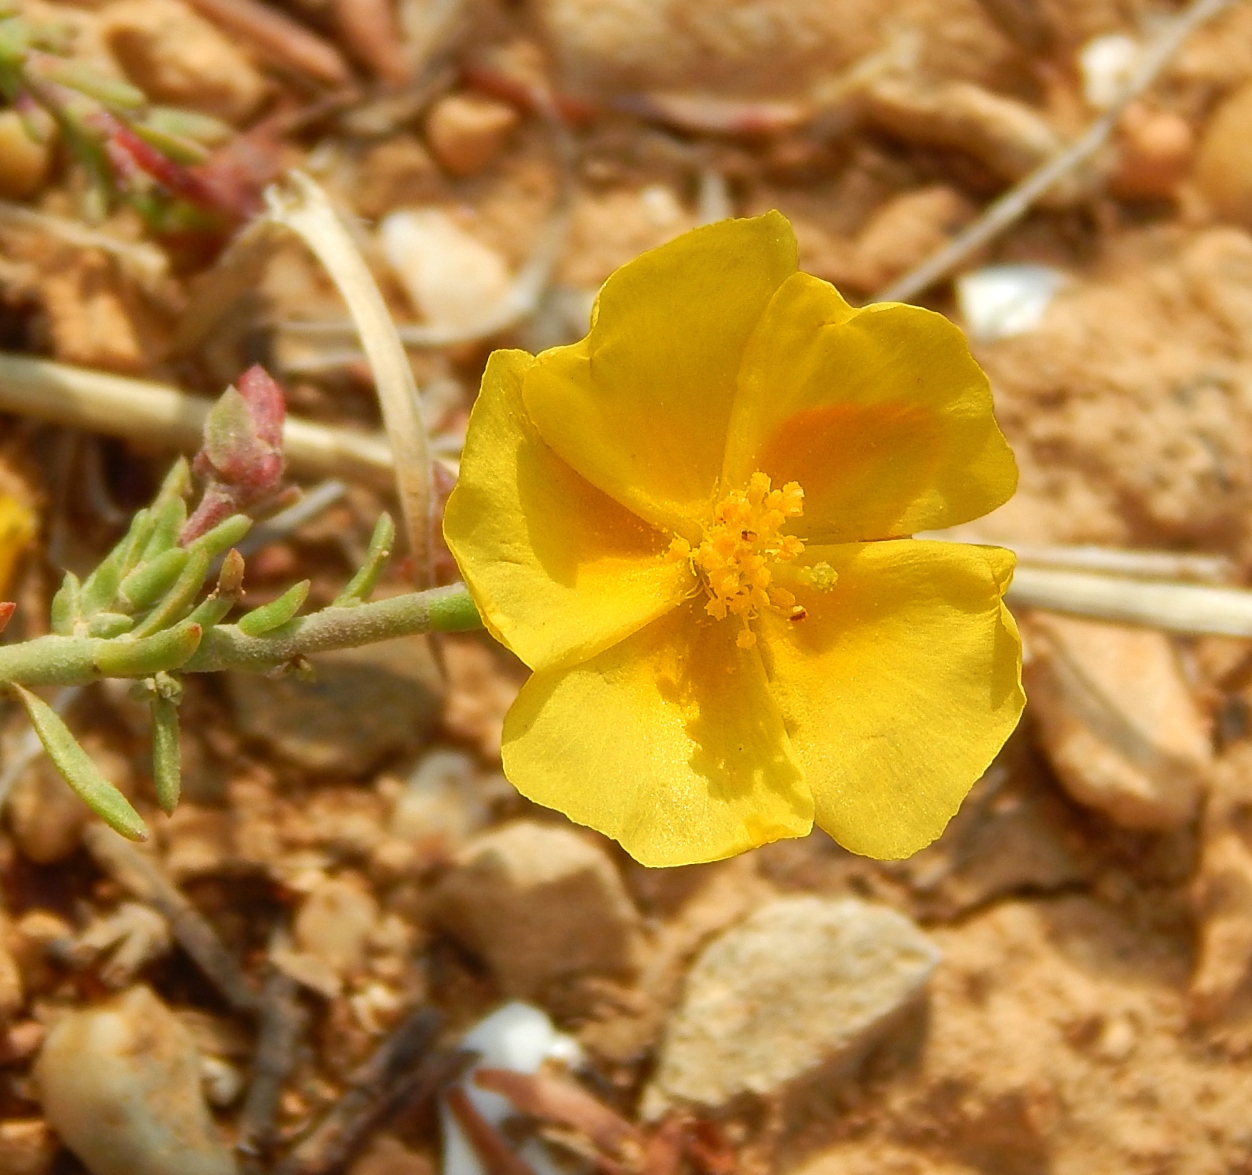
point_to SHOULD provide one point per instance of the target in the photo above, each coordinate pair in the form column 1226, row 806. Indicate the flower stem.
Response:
column 68, row 660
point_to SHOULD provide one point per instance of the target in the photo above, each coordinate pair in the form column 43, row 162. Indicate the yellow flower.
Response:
column 17, row 528
column 691, row 526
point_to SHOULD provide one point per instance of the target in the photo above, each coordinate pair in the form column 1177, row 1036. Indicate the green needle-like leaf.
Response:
column 361, row 585
column 66, row 605
column 276, row 613
column 78, row 769
column 166, row 769
column 151, row 654
column 151, row 580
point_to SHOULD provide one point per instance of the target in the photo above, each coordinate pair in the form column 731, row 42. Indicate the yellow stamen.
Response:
column 740, row 550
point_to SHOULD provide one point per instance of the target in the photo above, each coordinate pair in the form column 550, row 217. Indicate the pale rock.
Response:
column 800, row 988
column 449, row 275
column 538, row 904
column 334, row 924
column 1117, row 721
column 468, row 131
column 120, row 1083
column 175, row 56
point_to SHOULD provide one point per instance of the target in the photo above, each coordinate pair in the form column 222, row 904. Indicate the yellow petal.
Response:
column 881, row 414
column 17, row 528
column 558, row 570
column 668, row 742
column 640, row 406
column 899, row 687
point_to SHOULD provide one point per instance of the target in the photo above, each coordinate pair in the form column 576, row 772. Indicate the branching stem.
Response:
column 68, row 660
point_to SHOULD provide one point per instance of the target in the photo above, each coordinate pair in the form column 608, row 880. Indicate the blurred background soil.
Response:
column 1066, row 992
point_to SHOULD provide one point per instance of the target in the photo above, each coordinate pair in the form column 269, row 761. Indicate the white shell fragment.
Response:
column 519, row 1037
column 999, row 301
column 121, row 1084
column 450, row 276
column 1107, row 64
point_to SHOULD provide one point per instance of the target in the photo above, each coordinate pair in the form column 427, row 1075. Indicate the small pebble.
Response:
column 804, row 984
column 1223, row 169
column 23, row 162
column 538, row 903
column 1117, row 721
column 1106, row 64
column 175, row 56
column 999, row 301
column 120, row 1083
column 1155, row 150
column 467, row 132
column 334, row 924
column 450, row 276
column 27, row 1146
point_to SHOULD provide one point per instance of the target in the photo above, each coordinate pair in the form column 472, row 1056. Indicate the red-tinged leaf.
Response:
column 7, row 608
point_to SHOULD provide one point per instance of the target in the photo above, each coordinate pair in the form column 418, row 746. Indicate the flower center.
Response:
column 741, row 548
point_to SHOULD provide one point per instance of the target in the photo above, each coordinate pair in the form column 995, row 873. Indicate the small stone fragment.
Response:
column 97, row 319
column 467, row 131
column 1117, row 721
column 23, row 162
column 362, row 705
column 449, row 275
column 120, row 1083
column 538, row 903
column 27, row 1146
column 1223, row 166
column 805, row 983
column 1222, row 892
column 12, row 990
column 387, row 1155
column 1155, row 150
column 175, row 56
column 334, row 924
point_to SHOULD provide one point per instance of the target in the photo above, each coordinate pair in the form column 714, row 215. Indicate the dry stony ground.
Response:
column 1058, row 987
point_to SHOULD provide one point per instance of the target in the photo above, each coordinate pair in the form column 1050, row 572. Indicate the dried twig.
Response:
column 139, row 875
column 401, row 1071
column 281, row 1022
column 493, row 1150
column 153, row 413
column 1018, row 200
column 1178, row 607
column 1133, row 563
column 279, row 38
column 370, row 30
column 145, row 261
column 555, row 1100
column 303, row 207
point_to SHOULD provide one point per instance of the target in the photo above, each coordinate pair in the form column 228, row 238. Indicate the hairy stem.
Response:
column 67, row 660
